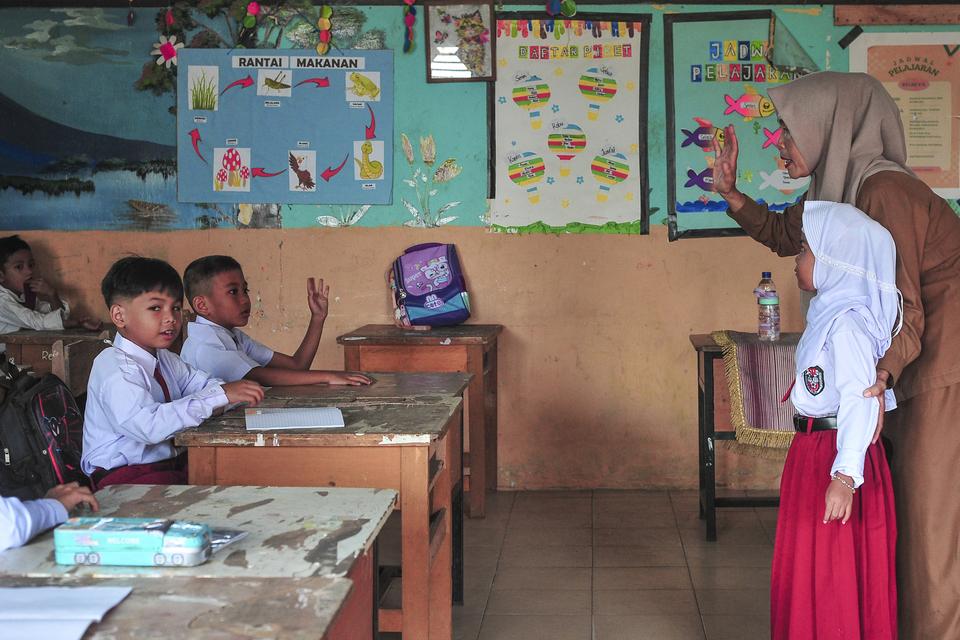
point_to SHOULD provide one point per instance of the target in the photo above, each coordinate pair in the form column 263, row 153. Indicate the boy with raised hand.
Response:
column 217, row 291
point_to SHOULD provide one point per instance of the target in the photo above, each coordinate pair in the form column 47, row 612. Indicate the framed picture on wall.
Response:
column 459, row 42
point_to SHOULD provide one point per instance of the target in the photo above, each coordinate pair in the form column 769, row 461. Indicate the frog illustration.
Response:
column 363, row 86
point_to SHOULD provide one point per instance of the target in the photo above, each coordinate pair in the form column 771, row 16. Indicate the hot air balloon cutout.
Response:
column 598, row 86
column 566, row 141
column 233, row 163
column 608, row 169
column 526, row 170
column 531, row 94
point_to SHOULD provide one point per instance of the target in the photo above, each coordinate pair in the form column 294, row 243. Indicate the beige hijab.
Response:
column 846, row 126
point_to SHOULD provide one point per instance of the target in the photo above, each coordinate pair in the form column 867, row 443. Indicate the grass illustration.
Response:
column 203, row 94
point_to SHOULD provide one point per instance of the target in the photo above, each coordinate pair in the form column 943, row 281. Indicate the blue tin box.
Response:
column 137, row 542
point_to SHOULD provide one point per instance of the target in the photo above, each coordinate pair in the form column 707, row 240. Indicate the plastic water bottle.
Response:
column 768, row 328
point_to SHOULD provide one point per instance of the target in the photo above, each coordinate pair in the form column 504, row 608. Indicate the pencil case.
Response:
column 133, row 542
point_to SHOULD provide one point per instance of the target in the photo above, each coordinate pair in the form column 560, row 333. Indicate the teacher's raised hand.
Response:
column 725, row 168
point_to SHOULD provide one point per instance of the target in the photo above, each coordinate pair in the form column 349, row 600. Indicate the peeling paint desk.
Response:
column 471, row 348
column 411, row 447
column 67, row 354
column 206, row 608
column 294, row 533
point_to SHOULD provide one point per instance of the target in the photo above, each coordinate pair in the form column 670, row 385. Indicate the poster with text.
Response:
column 717, row 75
column 922, row 73
column 285, row 126
column 570, row 120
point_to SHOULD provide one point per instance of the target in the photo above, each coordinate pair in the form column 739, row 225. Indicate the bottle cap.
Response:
column 768, row 301
column 765, row 274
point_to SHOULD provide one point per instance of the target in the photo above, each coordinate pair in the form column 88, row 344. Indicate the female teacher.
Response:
column 844, row 130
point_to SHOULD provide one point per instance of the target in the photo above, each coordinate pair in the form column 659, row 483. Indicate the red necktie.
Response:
column 163, row 383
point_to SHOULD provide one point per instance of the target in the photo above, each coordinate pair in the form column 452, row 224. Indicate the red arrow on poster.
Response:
column 260, row 173
column 329, row 172
column 195, row 139
column 245, row 82
column 319, row 82
column 371, row 131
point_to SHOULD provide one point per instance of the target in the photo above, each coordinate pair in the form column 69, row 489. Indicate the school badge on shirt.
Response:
column 813, row 380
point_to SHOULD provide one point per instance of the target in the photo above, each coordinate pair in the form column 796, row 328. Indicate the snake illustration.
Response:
column 369, row 169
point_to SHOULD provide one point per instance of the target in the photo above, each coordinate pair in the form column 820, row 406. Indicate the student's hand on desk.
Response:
column 72, row 494
column 839, row 501
column 351, row 379
column 318, row 298
column 877, row 391
column 246, row 391
column 86, row 323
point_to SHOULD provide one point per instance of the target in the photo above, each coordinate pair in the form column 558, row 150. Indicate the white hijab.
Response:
column 854, row 272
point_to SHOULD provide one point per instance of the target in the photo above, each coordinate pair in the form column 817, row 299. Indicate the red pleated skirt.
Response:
column 833, row 581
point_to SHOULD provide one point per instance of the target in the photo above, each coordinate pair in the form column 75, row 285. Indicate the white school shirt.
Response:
column 227, row 354
column 127, row 420
column 832, row 384
column 14, row 315
column 21, row 521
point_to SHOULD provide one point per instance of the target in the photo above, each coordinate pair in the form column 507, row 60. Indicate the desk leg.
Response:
column 708, row 443
column 457, row 507
column 477, row 430
column 701, row 435
column 415, row 549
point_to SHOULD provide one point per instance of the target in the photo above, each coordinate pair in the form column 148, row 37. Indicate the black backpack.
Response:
column 41, row 433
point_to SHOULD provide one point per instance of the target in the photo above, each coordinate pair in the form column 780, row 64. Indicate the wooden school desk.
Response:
column 411, row 447
column 468, row 347
column 709, row 365
column 67, row 354
column 204, row 608
column 293, row 533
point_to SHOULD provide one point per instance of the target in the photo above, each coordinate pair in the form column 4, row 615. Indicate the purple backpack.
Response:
column 430, row 288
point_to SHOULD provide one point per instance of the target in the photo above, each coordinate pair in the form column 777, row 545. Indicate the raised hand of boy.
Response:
column 243, row 391
column 318, row 298
column 72, row 494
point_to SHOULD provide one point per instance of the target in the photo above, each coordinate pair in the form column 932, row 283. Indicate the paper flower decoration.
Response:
column 428, row 150
column 447, row 171
column 407, row 148
column 166, row 50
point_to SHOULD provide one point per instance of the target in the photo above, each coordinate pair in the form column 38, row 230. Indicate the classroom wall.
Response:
column 597, row 384
column 597, row 376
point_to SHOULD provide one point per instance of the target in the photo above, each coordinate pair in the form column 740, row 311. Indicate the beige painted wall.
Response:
column 597, row 378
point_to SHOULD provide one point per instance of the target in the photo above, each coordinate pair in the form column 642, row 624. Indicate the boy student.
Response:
column 218, row 293
column 27, row 301
column 21, row 521
column 140, row 394
column 834, row 573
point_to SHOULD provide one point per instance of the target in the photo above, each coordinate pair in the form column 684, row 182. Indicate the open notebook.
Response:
column 293, row 418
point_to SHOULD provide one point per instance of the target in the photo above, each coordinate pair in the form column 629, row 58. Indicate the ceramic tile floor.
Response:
column 614, row 565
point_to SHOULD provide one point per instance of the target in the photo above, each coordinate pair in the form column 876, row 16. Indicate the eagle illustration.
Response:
column 306, row 180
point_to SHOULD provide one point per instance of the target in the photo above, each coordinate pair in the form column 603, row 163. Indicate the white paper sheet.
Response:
column 55, row 613
column 294, row 418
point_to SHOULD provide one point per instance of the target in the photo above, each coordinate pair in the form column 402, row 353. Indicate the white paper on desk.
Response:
column 59, row 603
column 294, row 418
column 55, row 613
column 45, row 629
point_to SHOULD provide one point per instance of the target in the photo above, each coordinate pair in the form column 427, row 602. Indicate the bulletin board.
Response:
column 921, row 71
column 721, row 60
column 569, row 124
column 285, row 125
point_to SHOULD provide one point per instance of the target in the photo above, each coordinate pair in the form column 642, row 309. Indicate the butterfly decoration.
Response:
column 440, row 37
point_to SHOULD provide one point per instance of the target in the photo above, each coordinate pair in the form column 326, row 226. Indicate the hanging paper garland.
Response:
column 553, row 7
column 409, row 19
column 324, row 25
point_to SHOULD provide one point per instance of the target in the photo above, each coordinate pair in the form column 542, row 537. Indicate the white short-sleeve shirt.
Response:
column 225, row 353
